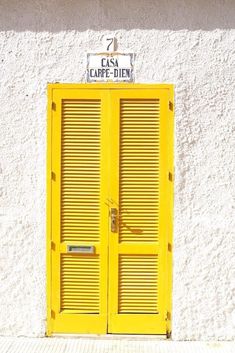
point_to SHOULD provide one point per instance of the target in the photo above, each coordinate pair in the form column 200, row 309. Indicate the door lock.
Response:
column 114, row 219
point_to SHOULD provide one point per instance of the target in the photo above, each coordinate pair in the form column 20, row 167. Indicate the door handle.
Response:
column 114, row 219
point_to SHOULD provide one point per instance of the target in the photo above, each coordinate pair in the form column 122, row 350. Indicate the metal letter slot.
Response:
column 83, row 249
column 114, row 218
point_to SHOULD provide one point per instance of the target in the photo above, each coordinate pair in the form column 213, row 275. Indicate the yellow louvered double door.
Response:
column 110, row 167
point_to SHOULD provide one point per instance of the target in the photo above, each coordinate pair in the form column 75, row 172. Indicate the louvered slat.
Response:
column 80, row 283
column 138, row 284
column 139, row 170
column 80, row 170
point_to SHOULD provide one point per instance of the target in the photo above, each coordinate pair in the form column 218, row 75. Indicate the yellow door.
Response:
column 139, row 182
column 110, row 192
column 79, row 219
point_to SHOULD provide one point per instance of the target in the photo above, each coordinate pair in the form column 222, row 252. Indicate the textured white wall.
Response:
column 189, row 43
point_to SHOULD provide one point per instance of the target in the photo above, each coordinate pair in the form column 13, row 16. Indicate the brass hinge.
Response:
column 170, row 106
column 168, row 316
column 52, row 245
column 53, row 106
column 170, row 176
column 53, row 176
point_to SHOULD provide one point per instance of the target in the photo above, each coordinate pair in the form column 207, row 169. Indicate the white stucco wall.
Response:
column 188, row 43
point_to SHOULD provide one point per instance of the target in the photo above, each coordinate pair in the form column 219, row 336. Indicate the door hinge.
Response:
column 52, row 245
column 52, row 314
column 168, row 316
column 53, row 176
column 170, row 176
column 170, row 106
column 53, row 106
column 169, row 247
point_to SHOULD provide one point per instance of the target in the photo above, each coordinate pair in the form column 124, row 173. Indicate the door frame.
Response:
column 170, row 184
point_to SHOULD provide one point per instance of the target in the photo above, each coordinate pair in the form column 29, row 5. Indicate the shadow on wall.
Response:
column 59, row 15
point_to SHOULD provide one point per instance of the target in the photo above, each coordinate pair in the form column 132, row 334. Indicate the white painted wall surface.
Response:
column 189, row 43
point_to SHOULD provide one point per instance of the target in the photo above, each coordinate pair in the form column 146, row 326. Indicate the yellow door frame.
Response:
column 168, row 89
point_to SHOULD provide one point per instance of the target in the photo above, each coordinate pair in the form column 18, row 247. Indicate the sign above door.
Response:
column 110, row 66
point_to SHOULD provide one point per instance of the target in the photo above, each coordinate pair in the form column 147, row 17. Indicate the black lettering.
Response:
column 91, row 73
column 123, row 74
column 128, row 72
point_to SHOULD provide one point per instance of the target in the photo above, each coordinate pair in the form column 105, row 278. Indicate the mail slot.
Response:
column 83, row 249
